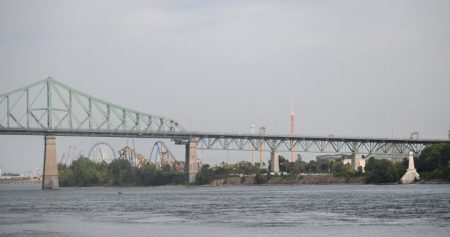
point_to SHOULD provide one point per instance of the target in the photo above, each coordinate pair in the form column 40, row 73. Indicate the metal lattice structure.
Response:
column 161, row 156
column 313, row 144
column 135, row 158
column 102, row 152
column 49, row 105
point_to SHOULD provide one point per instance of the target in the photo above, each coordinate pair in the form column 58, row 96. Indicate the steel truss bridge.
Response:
column 313, row 144
column 49, row 107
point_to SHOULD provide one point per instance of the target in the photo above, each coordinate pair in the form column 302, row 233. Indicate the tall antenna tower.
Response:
column 262, row 132
column 292, row 131
column 252, row 131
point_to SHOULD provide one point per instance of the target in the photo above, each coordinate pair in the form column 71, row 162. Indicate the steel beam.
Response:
column 40, row 117
column 74, row 104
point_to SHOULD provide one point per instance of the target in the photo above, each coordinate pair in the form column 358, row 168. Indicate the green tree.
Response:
column 121, row 172
column 382, row 171
column 205, row 175
column 102, row 173
column 146, row 174
column 261, row 178
column 434, row 162
column 337, row 168
column 370, row 164
column 284, row 164
column 221, row 172
column 312, row 166
column 296, row 167
column 348, row 170
column 84, row 172
column 324, row 167
column 246, row 168
column 66, row 176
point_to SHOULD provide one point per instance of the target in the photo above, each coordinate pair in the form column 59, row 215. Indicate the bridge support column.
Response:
column 358, row 161
column 50, row 176
column 191, row 162
column 274, row 162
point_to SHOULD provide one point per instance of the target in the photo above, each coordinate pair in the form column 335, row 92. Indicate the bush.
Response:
column 434, row 162
column 261, row 178
column 85, row 172
column 383, row 171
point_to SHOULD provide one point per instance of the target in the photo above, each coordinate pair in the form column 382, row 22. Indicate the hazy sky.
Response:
column 360, row 68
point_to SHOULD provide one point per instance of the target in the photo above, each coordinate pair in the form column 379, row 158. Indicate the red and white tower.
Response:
column 293, row 153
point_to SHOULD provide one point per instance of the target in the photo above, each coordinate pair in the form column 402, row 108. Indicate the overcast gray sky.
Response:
column 359, row 68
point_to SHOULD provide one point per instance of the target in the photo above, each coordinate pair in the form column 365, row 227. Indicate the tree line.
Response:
column 84, row 172
column 432, row 163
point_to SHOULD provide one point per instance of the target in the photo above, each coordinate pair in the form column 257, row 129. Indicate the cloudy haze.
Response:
column 359, row 68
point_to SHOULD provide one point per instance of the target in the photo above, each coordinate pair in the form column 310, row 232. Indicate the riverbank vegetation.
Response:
column 84, row 172
column 432, row 164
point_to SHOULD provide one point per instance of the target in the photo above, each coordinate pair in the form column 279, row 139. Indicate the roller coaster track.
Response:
column 135, row 158
column 162, row 156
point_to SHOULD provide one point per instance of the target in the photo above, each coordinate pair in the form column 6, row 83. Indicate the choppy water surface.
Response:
column 327, row 210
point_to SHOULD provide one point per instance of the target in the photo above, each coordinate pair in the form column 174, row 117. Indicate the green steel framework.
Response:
column 64, row 111
column 63, row 107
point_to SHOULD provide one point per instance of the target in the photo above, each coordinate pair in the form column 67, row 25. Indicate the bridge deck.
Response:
column 49, row 107
column 249, row 142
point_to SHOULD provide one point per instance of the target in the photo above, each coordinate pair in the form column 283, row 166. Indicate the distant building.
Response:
column 336, row 157
column 347, row 161
column 358, row 161
column 354, row 160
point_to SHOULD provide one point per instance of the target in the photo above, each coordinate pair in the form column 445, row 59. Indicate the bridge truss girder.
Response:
column 298, row 144
column 219, row 141
column 50, row 105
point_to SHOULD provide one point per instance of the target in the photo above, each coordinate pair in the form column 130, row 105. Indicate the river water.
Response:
column 310, row 210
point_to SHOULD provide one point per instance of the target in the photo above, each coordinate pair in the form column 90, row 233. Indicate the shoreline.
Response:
column 267, row 181
column 230, row 185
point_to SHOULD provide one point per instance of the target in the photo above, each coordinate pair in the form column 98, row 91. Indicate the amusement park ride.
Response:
column 160, row 156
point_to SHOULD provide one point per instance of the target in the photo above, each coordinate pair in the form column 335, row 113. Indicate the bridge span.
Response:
column 49, row 108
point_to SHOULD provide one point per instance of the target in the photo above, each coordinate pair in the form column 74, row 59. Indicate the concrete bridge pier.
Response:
column 358, row 161
column 274, row 162
column 50, row 176
column 191, row 161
